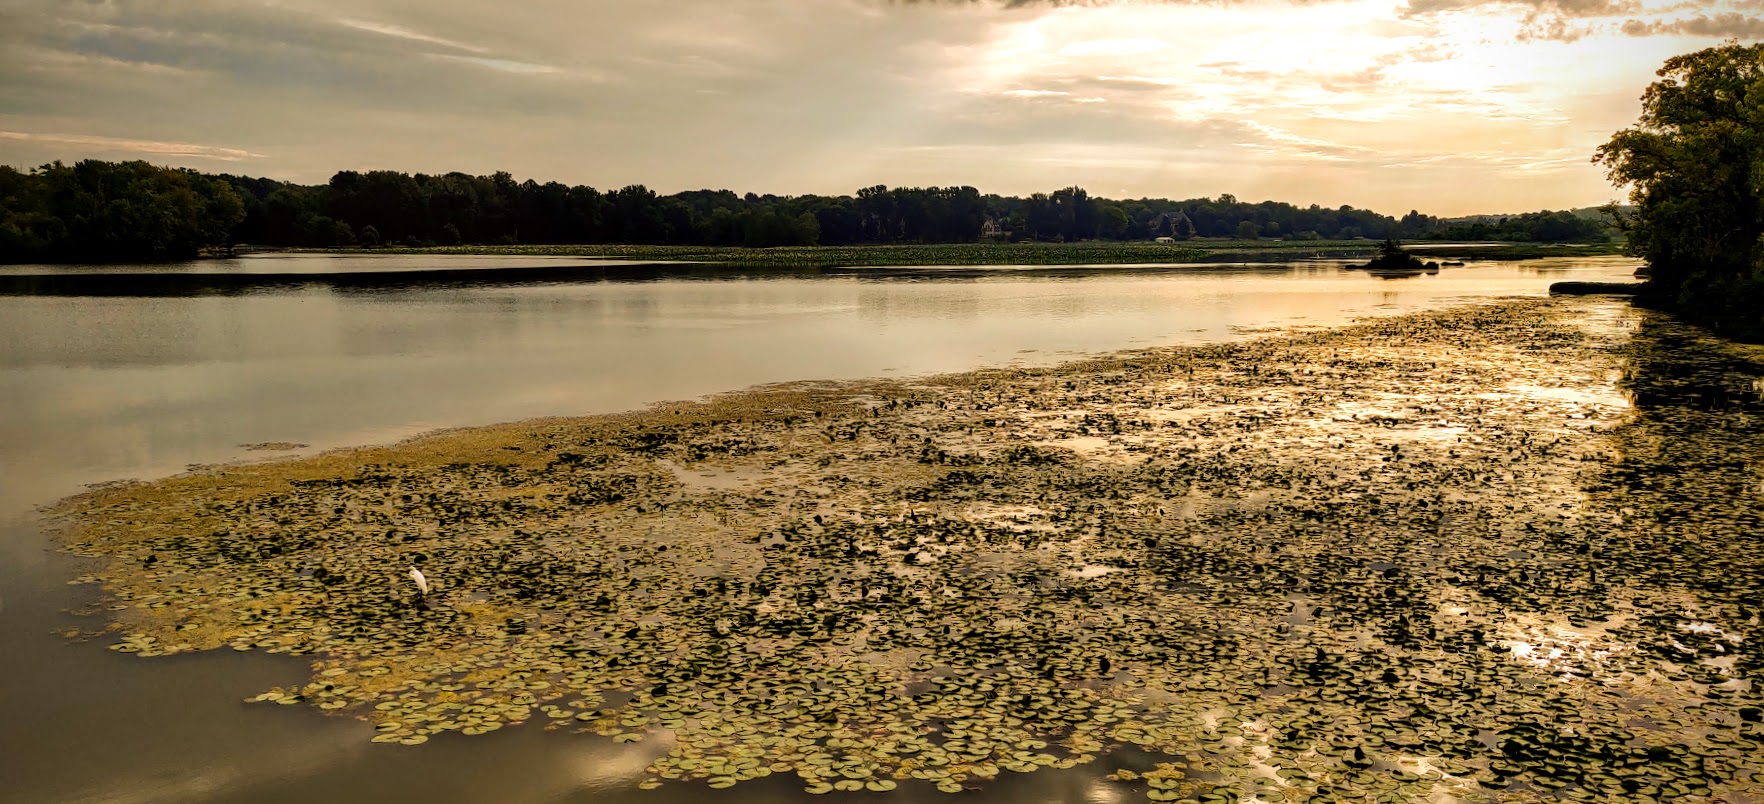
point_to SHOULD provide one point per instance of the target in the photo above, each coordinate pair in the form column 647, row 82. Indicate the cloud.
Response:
column 1133, row 83
column 146, row 147
column 1540, row 20
column 1133, row 46
column 1573, row 20
column 1568, row 21
column 1039, row 3
column 1562, row 8
column 69, row 55
column 401, row 32
column 1543, row 20
column 1555, row 29
column 1720, row 26
column 501, row 65
column 791, row 96
column 1508, row 165
column 1272, row 140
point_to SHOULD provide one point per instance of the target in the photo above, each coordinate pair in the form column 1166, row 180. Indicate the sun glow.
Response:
column 1341, row 87
column 1373, row 102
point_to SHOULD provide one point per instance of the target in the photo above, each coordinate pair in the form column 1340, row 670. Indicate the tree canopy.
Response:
column 1547, row 226
column 134, row 211
column 101, row 211
column 1694, row 166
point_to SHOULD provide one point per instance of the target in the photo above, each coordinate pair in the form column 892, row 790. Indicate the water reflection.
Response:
column 1672, row 366
column 95, row 283
column 101, row 387
column 375, row 273
column 1677, row 562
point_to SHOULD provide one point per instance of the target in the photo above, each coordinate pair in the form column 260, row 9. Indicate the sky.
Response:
column 1451, row 107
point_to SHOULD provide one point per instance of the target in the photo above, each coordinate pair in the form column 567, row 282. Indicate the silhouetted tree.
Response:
column 1694, row 164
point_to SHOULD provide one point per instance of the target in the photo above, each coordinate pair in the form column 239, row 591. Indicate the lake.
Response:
column 105, row 387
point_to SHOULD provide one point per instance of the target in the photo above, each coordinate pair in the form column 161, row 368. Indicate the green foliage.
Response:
column 770, row 228
column 161, row 213
column 1416, row 224
column 40, row 219
column 1547, row 226
column 96, row 211
column 1694, row 164
column 1113, row 223
column 1392, row 256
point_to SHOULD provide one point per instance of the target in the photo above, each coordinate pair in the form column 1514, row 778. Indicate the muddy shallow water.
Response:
column 1502, row 552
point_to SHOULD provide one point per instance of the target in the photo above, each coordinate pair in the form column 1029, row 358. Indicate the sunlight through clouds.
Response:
column 1390, row 104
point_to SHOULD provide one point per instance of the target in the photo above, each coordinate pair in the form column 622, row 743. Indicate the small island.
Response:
column 1393, row 260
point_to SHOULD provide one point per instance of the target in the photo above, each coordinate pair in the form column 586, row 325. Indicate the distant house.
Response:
column 990, row 230
column 1170, row 240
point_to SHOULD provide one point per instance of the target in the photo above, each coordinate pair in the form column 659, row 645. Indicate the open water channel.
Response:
column 97, row 388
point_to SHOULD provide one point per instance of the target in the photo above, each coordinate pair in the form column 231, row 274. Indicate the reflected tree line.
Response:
column 1685, row 496
column 96, row 210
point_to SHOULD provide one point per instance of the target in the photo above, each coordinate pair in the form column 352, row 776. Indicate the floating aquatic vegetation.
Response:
column 1436, row 555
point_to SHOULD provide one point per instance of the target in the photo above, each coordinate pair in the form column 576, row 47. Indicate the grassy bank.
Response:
column 1511, row 251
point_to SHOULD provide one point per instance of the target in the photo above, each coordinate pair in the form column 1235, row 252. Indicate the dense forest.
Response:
column 114, row 211
column 98, row 211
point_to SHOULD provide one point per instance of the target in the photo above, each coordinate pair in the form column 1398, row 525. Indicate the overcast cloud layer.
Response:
column 1449, row 106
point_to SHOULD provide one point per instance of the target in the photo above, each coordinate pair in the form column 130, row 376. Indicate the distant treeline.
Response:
column 97, row 210
column 1543, row 227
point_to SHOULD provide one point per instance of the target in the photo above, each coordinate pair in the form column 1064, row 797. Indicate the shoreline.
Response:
column 554, row 268
column 1086, row 253
column 1131, row 511
column 1022, row 254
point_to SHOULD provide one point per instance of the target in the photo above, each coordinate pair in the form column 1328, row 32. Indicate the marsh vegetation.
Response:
column 1497, row 584
column 1086, row 253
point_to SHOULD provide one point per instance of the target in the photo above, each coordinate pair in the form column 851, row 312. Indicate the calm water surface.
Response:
column 103, row 388
column 318, row 264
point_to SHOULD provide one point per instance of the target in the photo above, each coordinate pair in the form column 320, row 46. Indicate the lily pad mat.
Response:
column 1438, row 556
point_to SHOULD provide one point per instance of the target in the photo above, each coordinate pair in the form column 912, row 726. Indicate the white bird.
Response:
column 421, row 582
